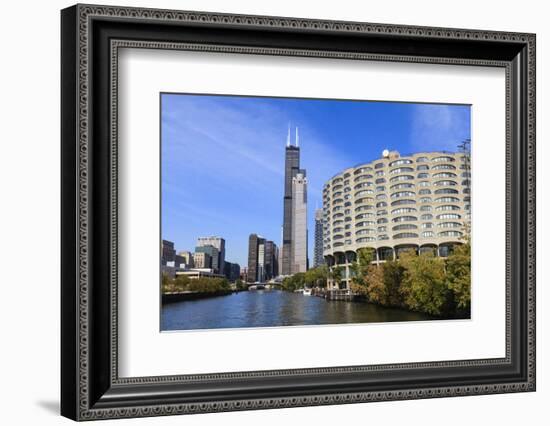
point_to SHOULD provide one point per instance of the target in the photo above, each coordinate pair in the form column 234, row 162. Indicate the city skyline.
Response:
column 228, row 179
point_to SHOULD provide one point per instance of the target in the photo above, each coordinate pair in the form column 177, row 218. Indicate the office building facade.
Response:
column 219, row 243
column 188, row 258
column 262, row 259
column 202, row 260
column 232, row 271
column 419, row 201
column 214, row 254
column 168, row 253
column 318, row 258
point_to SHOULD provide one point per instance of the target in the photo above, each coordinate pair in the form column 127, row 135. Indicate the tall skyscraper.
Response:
column 219, row 243
column 318, row 248
column 294, row 244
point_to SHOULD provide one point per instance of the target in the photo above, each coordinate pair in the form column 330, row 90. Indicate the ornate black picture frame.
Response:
column 91, row 388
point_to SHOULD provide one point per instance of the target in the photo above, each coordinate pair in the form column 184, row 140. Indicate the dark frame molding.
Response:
column 91, row 37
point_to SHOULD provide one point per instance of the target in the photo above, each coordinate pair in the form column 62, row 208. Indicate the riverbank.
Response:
column 183, row 296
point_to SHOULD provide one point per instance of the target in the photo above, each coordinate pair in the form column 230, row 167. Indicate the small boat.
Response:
column 307, row 292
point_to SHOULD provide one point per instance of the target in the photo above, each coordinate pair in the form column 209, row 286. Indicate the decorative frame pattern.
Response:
column 111, row 396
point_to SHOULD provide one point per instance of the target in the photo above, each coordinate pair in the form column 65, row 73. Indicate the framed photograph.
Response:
column 263, row 212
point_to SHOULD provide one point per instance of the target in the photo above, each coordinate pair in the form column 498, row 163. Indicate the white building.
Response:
column 299, row 224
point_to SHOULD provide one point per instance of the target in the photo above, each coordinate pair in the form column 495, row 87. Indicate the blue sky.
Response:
column 223, row 157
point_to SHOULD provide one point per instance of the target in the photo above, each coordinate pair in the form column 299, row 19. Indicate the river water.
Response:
column 273, row 309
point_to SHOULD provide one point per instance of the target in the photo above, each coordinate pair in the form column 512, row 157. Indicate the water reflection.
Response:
column 274, row 308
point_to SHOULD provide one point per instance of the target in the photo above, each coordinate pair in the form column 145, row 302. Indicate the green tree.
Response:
column 336, row 274
column 316, row 277
column 181, row 283
column 424, row 283
column 239, row 284
column 360, row 269
column 459, row 278
column 294, row 282
column 393, row 273
column 166, row 283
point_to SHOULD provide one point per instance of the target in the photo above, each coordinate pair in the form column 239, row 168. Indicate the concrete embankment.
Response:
column 191, row 295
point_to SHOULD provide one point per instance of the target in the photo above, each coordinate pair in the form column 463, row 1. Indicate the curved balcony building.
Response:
column 419, row 201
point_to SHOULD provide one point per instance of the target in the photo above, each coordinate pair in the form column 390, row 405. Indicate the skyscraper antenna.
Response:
column 297, row 136
column 288, row 136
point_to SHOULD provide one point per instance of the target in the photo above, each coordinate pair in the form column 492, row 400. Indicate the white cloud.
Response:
column 439, row 127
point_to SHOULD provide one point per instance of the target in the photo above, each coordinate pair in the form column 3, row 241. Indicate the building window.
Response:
column 455, row 234
column 422, row 176
column 422, row 159
column 365, row 240
column 402, row 202
column 401, row 186
column 448, row 216
column 364, row 200
column 444, row 175
column 403, row 210
column 400, row 170
column 444, row 167
column 400, row 162
column 426, row 216
column 425, row 200
column 405, row 235
column 425, row 208
column 447, row 207
column 424, row 183
column 403, row 194
column 427, row 234
column 424, row 192
column 402, row 177
column 404, row 219
column 422, row 167
column 445, row 183
column 446, row 191
column 443, row 159
column 404, row 227
column 447, row 200
column 427, row 225
column 365, row 232
column 362, row 170
column 364, row 192
column 364, row 216
column 365, row 223
column 450, row 225
column 378, row 165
